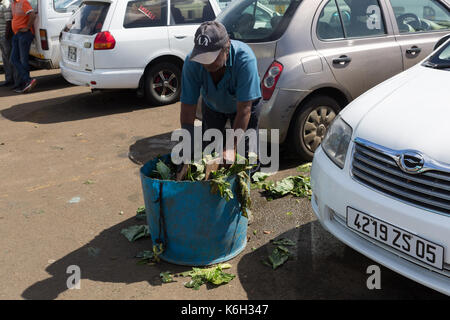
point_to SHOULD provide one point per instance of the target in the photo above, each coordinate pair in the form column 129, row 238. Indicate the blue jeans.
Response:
column 21, row 43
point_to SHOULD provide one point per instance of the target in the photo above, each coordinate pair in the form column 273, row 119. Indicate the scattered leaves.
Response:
column 166, row 277
column 134, row 233
column 214, row 275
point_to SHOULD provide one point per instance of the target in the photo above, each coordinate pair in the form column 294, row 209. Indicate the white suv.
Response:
column 128, row 44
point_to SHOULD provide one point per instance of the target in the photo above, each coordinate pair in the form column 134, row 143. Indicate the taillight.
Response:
column 44, row 41
column 104, row 41
column 270, row 79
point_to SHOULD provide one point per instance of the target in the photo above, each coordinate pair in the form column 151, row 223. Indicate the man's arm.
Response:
column 244, row 111
column 32, row 17
column 187, row 114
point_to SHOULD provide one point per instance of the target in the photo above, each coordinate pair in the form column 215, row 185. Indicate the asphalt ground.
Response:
column 69, row 172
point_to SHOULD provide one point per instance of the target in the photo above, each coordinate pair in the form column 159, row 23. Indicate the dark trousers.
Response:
column 212, row 119
column 21, row 43
column 5, row 48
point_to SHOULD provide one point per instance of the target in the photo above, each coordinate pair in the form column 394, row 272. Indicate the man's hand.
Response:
column 229, row 157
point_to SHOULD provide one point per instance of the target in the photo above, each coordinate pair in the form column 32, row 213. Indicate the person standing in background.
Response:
column 23, row 17
column 5, row 43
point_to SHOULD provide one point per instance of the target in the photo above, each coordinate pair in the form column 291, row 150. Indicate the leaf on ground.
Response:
column 134, row 233
column 260, row 176
column 304, row 168
column 93, row 252
column 214, row 275
column 166, row 277
column 278, row 257
column 140, row 213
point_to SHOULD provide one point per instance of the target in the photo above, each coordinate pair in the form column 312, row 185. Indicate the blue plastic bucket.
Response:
column 201, row 228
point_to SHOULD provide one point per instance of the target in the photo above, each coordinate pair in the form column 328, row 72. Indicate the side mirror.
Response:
column 441, row 41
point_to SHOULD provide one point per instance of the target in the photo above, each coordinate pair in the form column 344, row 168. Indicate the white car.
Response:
column 128, row 44
column 381, row 178
column 51, row 16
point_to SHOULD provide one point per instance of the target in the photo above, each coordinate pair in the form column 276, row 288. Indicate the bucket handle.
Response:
column 162, row 222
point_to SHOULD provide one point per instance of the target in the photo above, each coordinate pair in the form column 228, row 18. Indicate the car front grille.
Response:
column 376, row 167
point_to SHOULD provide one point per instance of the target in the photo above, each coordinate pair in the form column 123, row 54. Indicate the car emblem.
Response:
column 411, row 162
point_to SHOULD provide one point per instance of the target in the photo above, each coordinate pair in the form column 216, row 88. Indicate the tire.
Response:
column 310, row 124
column 163, row 84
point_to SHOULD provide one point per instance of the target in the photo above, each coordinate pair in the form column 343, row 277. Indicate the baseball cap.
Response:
column 210, row 38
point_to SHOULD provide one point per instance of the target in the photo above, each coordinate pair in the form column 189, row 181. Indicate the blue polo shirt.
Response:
column 240, row 82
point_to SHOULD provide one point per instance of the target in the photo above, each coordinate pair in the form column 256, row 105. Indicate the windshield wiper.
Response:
column 433, row 65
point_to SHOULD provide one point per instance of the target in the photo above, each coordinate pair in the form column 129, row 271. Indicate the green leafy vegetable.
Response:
column 140, row 213
column 304, row 168
column 163, row 170
column 166, row 277
column 214, row 275
column 279, row 256
column 134, row 233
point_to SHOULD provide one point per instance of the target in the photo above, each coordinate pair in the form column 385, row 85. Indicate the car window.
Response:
column 362, row 18
column 66, row 5
column 420, row 15
column 143, row 14
column 329, row 25
column 258, row 20
column 89, row 19
column 196, row 11
column 441, row 59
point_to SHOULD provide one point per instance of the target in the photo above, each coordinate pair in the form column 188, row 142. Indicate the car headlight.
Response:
column 336, row 141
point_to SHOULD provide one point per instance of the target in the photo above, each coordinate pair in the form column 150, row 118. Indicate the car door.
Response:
column 140, row 30
column 77, row 40
column 356, row 39
column 185, row 18
column 418, row 25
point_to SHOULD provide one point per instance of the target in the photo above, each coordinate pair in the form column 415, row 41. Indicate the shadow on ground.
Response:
column 44, row 83
column 109, row 257
column 147, row 149
column 76, row 107
column 321, row 268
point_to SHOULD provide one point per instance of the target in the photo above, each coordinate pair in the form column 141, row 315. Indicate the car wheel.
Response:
column 163, row 84
column 310, row 124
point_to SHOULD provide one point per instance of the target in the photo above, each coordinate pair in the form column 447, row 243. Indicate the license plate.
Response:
column 397, row 238
column 72, row 54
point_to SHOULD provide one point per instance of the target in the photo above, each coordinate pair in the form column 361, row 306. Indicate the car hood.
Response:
column 409, row 111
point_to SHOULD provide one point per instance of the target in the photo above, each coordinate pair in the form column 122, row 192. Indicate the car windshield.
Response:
column 88, row 20
column 441, row 59
column 258, row 20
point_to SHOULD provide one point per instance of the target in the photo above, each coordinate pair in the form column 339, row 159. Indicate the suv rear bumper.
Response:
column 103, row 78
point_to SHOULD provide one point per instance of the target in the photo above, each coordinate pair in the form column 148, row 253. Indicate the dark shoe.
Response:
column 6, row 84
column 19, row 89
column 29, row 86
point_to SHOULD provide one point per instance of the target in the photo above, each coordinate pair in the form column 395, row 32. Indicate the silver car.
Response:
column 314, row 56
